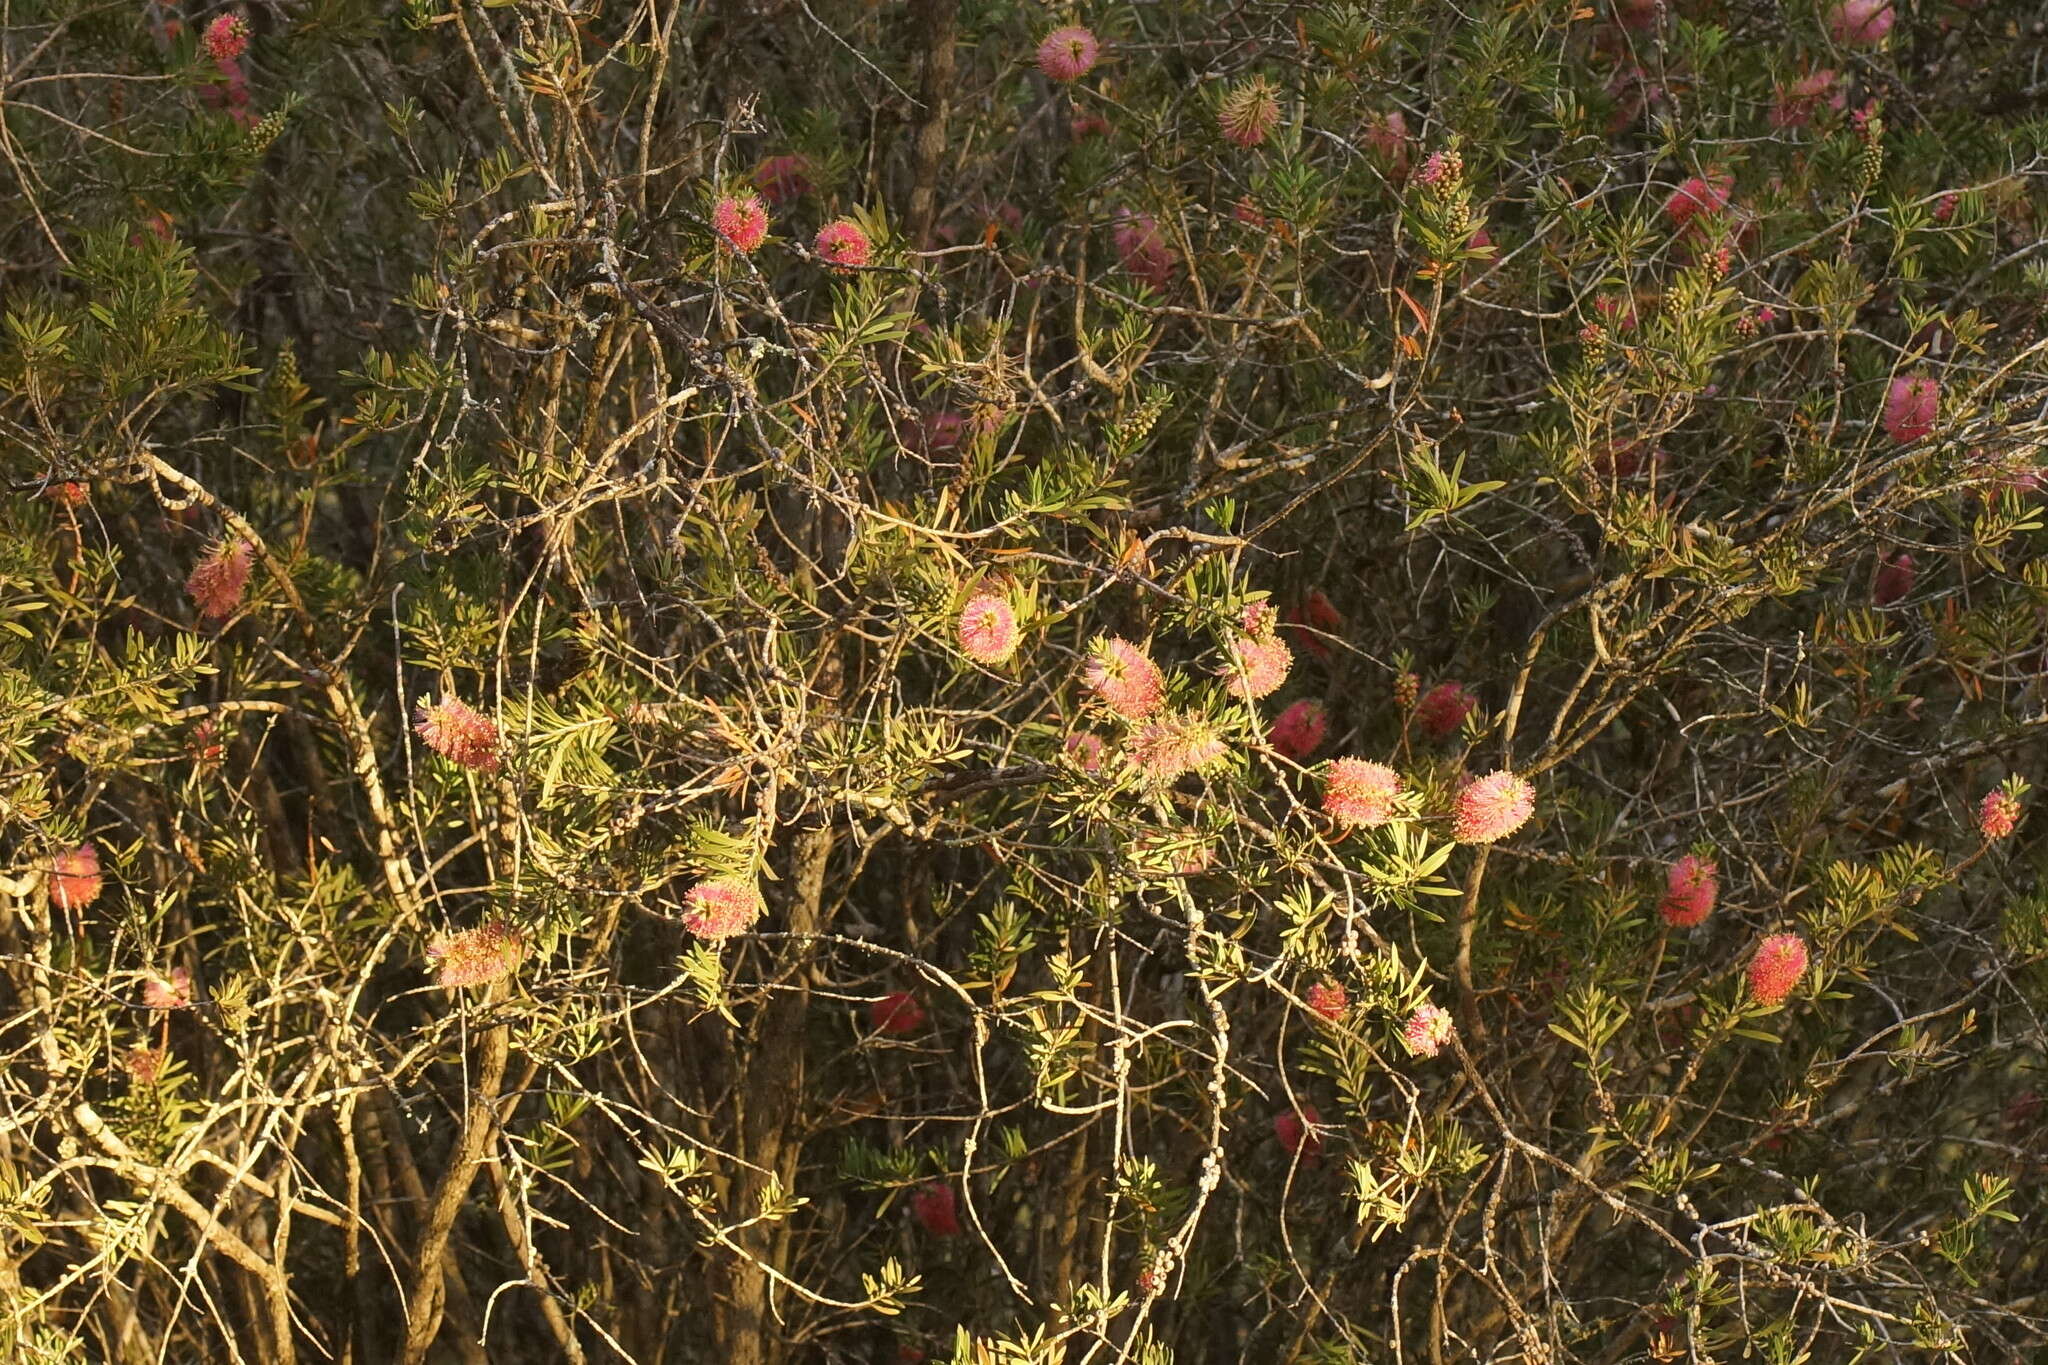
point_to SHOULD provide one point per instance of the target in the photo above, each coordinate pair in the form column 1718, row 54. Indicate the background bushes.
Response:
column 1645, row 399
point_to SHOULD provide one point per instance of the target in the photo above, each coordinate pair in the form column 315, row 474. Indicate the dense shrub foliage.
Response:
column 817, row 680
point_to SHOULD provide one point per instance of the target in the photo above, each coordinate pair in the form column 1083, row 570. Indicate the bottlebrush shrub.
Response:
column 414, row 362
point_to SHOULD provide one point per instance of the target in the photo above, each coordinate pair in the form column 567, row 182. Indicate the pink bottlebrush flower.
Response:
column 1895, row 575
column 1443, row 709
column 67, row 494
column 1314, row 618
column 216, row 582
column 477, row 957
column 988, row 629
column 1296, row 1133
column 1084, row 126
column 1945, row 208
column 75, row 878
column 1169, row 748
column 897, row 1014
column 1249, row 113
column 1696, row 196
column 1779, row 963
column 939, row 433
column 144, row 1064
column 1142, row 251
column 1691, row 886
column 1798, row 101
column 1998, row 815
column 1387, row 135
column 459, row 734
column 1443, row 172
column 1861, row 23
column 1910, row 406
column 1359, row 794
column 1426, row 1031
column 720, row 908
column 226, row 38
column 1258, row 664
column 1125, row 677
column 1328, row 1000
column 1085, row 750
column 1246, row 212
column 1298, row 731
column 740, row 221
column 934, row 1208
column 842, row 245
column 1492, row 808
column 168, row 993
column 1067, row 54
column 783, row 180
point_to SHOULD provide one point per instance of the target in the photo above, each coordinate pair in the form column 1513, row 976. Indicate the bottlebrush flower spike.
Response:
column 1257, row 666
column 988, row 629
column 1249, row 113
column 1861, row 23
column 1296, row 1133
column 75, row 878
column 169, row 993
column 1910, row 406
column 1443, row 709
column 1124, row 677
column 144, row 1064
column 1328, row 1000
column 1085, row 750
column 720, row 908
column 1895, row 575
column 1691, row 886
column 843, row 246
column 1779, row 963
column 226, row 38
column 1998, row 815
column 1698, row 195
column 783, row 180
column 1492, row 808
column 1359, row 794
column 459, row 734
column 1170, row 747
column 1426, row 1031
column 741, row 221
column 934, row 1208
column 1313, row 619
column 216, row 582
column 1299, row 730
column 477, row 957
column 1067, row 54
column 1141, row 250
column 897, row 1014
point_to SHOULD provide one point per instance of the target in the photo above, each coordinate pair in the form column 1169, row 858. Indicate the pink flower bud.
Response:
column 1328, row 1000
column 1998, row 815
column 1296, row 1133
column 459, row 734
column 1443, row 709
column 1861, row 23
column 1895, row 577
